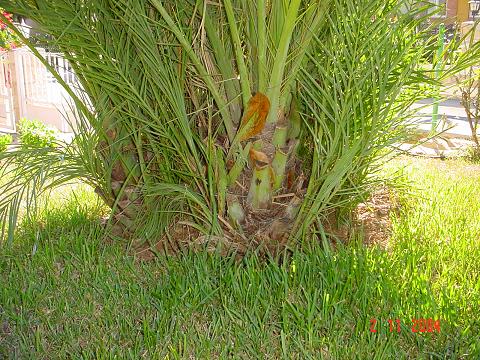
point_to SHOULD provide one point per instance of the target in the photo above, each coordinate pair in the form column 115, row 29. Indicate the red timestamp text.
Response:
column 417, row 325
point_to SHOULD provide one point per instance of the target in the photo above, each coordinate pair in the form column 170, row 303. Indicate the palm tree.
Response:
column 247, row 121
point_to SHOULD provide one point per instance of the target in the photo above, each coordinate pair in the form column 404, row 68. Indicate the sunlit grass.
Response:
column 437, row 238
column 76, row 296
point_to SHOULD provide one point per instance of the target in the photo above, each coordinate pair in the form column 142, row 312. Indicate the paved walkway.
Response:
column 451, row 110
column 453, row 122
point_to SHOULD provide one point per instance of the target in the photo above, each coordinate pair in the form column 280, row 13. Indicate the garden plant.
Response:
column 468, row 83
column 5, row 140
column 35, row 134
column 238, row 124
column 8, row 39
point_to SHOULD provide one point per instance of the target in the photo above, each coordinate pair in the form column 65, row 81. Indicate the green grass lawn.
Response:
column 65, row 293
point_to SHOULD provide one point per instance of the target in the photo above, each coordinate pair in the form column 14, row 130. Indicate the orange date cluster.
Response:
column 417, row 326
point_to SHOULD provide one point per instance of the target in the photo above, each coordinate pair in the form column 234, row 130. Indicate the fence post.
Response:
column 16, row 76
column 438, row 66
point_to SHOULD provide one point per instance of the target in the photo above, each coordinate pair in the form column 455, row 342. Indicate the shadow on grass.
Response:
column 75, row 296
column 78, row 297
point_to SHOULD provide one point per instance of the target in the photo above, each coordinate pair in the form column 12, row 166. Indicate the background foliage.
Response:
column 35, row 134
column 8, row 39
column 5, row 140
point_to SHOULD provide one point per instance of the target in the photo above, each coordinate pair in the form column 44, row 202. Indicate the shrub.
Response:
column 472, row 154
column 35, row 134
column 468, row 84
column 5, row 140
column 256, row 138
column 8, row 39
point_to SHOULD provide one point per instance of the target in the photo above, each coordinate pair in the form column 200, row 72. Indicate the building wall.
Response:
column 28, row 90
column 463, row 10
column 452, row 9
column 458, row 11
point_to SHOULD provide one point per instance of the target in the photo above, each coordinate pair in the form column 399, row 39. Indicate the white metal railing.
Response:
column 41, row 87
column 28, row 89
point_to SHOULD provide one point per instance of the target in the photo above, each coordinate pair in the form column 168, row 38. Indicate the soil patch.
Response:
column 372, row 217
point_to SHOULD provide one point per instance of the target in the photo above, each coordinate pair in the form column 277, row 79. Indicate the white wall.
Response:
column 28, row 89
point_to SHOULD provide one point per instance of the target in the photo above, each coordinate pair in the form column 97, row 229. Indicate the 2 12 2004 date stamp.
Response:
column 417, row 325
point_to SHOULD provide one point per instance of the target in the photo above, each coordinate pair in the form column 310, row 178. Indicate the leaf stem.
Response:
column 237, row 45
